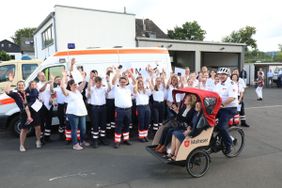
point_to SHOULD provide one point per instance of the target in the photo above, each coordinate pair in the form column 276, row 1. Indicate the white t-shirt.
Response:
column 123, row 97
column 98, row 95
column 242, row 83
column 143, row 98
column 159, row 95
column 45, row 95
column 60, row 96
column 170, row 97
column 76, row 104
column 226, row 90
column 210, row 84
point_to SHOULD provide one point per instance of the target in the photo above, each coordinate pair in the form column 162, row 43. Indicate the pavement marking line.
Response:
column 81, row 174
column 257, row 107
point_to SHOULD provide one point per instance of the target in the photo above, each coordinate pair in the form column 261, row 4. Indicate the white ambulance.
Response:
column 90, row 59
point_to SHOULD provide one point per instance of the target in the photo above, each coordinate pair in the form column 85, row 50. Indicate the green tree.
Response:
column 244, row 35
column 25, row 32
column 278, row 57
column 4, row 56
column 188, row 31
column 280, row 47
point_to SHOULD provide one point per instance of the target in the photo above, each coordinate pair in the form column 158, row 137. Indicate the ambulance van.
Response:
column 136, row 59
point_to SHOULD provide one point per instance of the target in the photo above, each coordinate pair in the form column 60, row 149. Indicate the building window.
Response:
column 47, row 37
column 2, row 45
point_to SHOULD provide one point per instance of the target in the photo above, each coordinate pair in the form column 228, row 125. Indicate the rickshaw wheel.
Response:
column 197, row 163
column 238, row 142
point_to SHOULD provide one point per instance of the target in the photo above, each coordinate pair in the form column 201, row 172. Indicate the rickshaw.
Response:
column 194, row 152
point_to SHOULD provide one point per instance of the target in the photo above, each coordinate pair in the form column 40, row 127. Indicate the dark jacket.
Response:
column 31, row 95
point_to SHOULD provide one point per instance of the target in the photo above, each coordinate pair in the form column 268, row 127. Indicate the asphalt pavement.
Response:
column 57, row 165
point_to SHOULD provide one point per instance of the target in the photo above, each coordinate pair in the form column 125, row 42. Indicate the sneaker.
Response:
column 84, row 143
column 38, row 144
column 22, row 148
column 116, row 145
column 142, row 140
column 126, row 142
column 77, row 147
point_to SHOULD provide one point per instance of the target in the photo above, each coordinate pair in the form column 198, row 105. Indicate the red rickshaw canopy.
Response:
column 203, row 95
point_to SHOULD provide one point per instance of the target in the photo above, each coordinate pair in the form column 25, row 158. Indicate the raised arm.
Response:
column 63, row 84
column 116, row 77
column 83, row 83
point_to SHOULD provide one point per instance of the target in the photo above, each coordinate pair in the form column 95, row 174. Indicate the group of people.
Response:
column 120, row 100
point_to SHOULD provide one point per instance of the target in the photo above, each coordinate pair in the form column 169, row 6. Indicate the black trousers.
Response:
column 158, row 114
column 110, row 103
column 99, row 121
column 62, row 117
column 242, row 113
column 46, row 121
column 123, row 119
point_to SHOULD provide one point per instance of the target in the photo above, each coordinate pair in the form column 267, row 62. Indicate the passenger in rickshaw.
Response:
column 184, row 117
column 179, row 135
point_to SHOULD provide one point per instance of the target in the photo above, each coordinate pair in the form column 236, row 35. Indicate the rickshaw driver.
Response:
column 228, row 92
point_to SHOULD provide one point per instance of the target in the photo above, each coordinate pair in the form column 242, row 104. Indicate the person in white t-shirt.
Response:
column 97, row 92
column 76, row 111
column 45, row 89
column 242, row 86
column 158, row 106
column 61, row 105
column 123, row 104
column 228, row 91
column 142, row 94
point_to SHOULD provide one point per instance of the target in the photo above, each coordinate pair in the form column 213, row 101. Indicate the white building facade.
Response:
column 86, row 28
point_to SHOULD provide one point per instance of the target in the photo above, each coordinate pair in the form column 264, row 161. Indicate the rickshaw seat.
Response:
column 202, row 124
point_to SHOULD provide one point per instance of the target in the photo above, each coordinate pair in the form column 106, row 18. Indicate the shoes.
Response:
column 245, row 125
column 146, row 139
column 95, row 144
column 126, row 142
column 68, row 142
column 104, row 142
column 116, row 145
column 77, row 147
column 142, row 140
column 22, row 148
column 38, row 144
column 259, row 99
column 84, row 143
column 47, row 139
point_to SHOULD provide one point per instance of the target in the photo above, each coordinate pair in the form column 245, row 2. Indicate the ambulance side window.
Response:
column 54, row 71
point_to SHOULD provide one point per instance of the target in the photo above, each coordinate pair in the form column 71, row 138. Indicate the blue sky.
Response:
column 218, row 17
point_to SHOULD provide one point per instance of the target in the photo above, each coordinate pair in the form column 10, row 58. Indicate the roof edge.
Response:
column 188, row 41
column 49, row 17
column 90, row 9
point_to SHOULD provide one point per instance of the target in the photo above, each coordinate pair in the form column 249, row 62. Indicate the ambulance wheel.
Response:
column 238, row 142
column 197, row 163
column 15, row 127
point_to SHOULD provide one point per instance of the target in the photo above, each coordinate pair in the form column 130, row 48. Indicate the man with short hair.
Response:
column 123, row 104
column 45, row 90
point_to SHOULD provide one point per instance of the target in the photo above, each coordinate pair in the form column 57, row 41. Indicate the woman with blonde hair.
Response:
column 142, row 94
column 183, row 119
